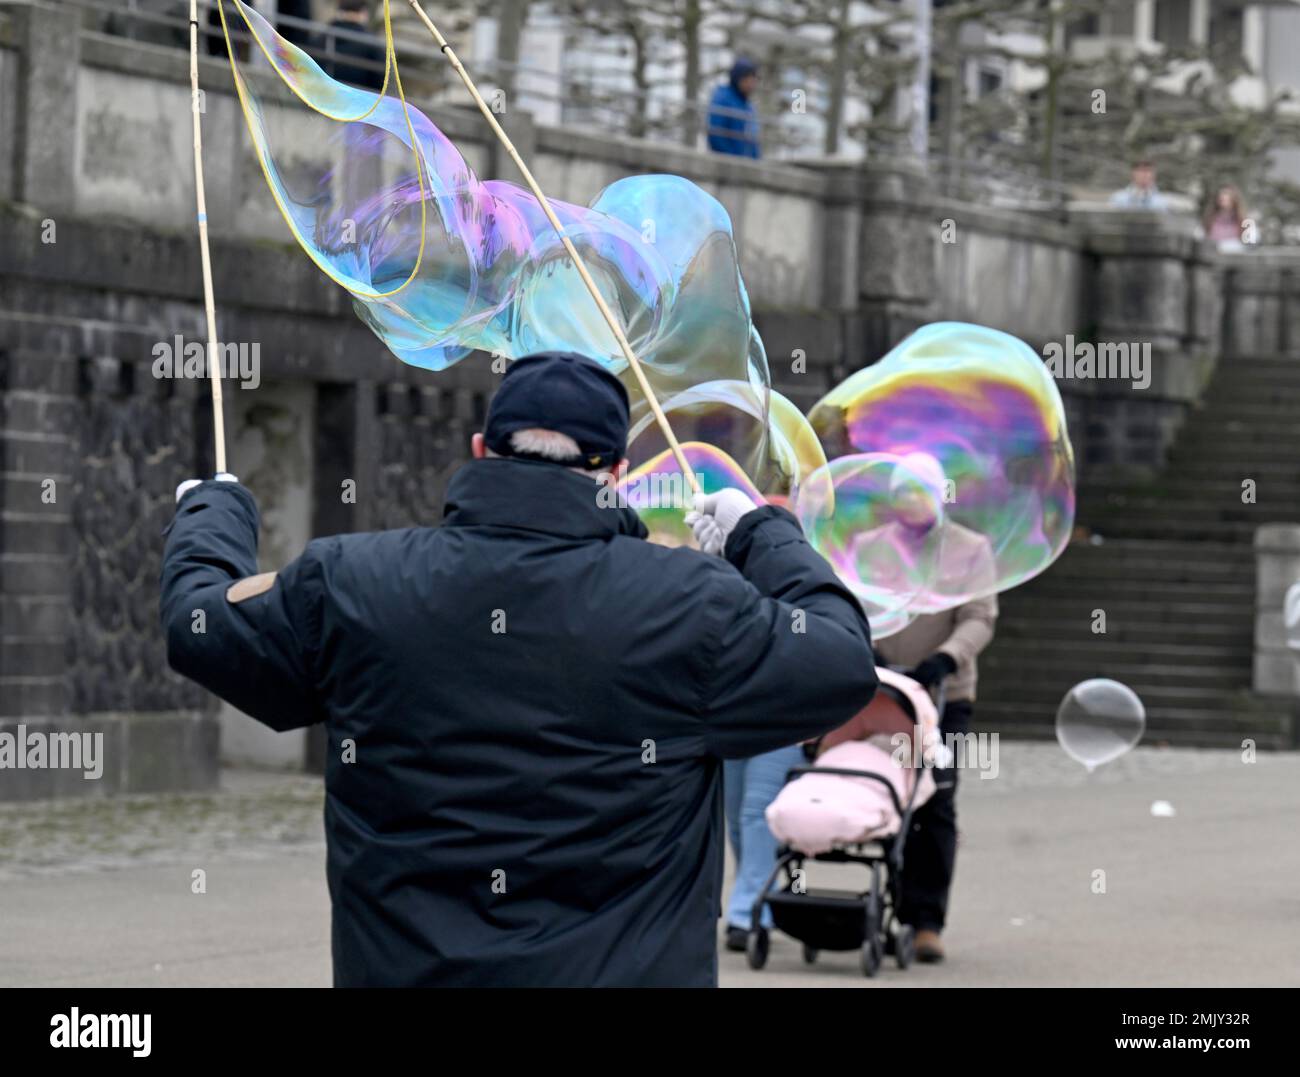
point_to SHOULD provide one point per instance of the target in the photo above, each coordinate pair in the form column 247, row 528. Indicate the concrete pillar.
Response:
column 1252, row 36
column 1199, row 30
column 45, row 123
column 1144, row 23
column 1277, row 567
column 897, row 239
column 1156, row 289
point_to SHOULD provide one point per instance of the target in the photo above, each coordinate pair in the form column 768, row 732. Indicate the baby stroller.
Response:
column 853, row 805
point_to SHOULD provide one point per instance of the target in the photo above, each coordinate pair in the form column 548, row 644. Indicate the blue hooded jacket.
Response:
column 733, row 123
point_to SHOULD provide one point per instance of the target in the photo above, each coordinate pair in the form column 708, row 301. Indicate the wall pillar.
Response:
column 49, row 41
column 1156, row 294
column 1277, row 567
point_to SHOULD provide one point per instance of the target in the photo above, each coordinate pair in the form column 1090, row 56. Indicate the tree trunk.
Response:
column 510, row 28
column 839, row 81
column 691, row 20
column 954, row 99
column 640, row 62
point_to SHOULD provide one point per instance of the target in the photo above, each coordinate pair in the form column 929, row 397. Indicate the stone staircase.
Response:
column 1172, row 566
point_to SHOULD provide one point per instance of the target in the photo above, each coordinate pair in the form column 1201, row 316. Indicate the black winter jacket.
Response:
column 526, row 711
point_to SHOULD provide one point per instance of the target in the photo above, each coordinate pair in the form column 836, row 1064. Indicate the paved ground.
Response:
column 100, row 893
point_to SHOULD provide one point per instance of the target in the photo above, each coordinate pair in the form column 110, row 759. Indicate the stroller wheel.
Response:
column 904, row 945
column 756, row 949
column 809, row 955
column 870, row 957
column 873, row 946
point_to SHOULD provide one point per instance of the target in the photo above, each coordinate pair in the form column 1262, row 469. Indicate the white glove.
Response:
column 714, row 517
column 189, row 484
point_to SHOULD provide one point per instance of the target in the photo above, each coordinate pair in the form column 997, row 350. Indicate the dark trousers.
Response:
column 931, row 850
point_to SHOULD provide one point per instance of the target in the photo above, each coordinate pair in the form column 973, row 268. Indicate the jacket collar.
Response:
column 534, row 496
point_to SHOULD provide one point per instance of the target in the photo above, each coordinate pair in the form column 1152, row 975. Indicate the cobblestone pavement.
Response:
column 100, row 892
column 255, row 816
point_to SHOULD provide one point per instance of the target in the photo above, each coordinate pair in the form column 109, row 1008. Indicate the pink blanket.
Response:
column 817, row 812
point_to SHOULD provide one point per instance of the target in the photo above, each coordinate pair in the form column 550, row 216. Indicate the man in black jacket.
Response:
column 526, row 707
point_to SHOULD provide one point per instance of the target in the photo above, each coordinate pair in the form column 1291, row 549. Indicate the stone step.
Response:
column 1049, row 692
column 1267, row 508
column 1261, row 460
column 1185, row 729
column 1103, row 649
column 1002, row 671
column 1208, row 489
column 1067, row 588
column 1179, row 528
column 1077, row 610
column 1120, row 559
column 1151, row 630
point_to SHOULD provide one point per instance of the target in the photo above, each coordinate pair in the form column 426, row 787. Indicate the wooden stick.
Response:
column 581, row 266
column 214, row 355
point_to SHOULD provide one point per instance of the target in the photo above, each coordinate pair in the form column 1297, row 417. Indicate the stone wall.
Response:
column 99, row 263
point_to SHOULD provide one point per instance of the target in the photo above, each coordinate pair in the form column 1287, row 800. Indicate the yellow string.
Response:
column 390, row 64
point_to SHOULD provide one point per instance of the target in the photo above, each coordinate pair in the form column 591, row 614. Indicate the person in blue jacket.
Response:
column 733, row 123
column 526, row 708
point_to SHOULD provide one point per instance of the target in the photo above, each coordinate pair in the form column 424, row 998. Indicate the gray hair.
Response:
column 548, row 443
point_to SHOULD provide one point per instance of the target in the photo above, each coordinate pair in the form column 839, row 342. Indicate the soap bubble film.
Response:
column 878, row 519
column 1099, row 720
column 764, row 434
column 440, row 264
column 980, row 422
column 660, row 494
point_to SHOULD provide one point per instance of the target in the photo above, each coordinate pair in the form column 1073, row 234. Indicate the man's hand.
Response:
column 934, row 669
column 189, row 484
column 715, row 516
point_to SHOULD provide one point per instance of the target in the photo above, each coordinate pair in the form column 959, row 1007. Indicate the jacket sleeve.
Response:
column 973, row 621
column 788, row 648
column 256, row 653
column 972, row 630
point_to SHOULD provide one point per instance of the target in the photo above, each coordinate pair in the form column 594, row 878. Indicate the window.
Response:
column 1226, row 21
column 1174, row 22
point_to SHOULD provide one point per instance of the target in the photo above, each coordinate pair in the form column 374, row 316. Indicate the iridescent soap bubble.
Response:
column 879, row 520
column 982, row 407
column 440, row 264
column 661, row 496
column 763, row 433
column 1099, row 720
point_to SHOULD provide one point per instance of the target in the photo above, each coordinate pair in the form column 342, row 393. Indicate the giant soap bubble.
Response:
column 978, row 421
column 440, row 264
column 878, row 519
column 660, row 494
column 1099, row 720
column 768, row 438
